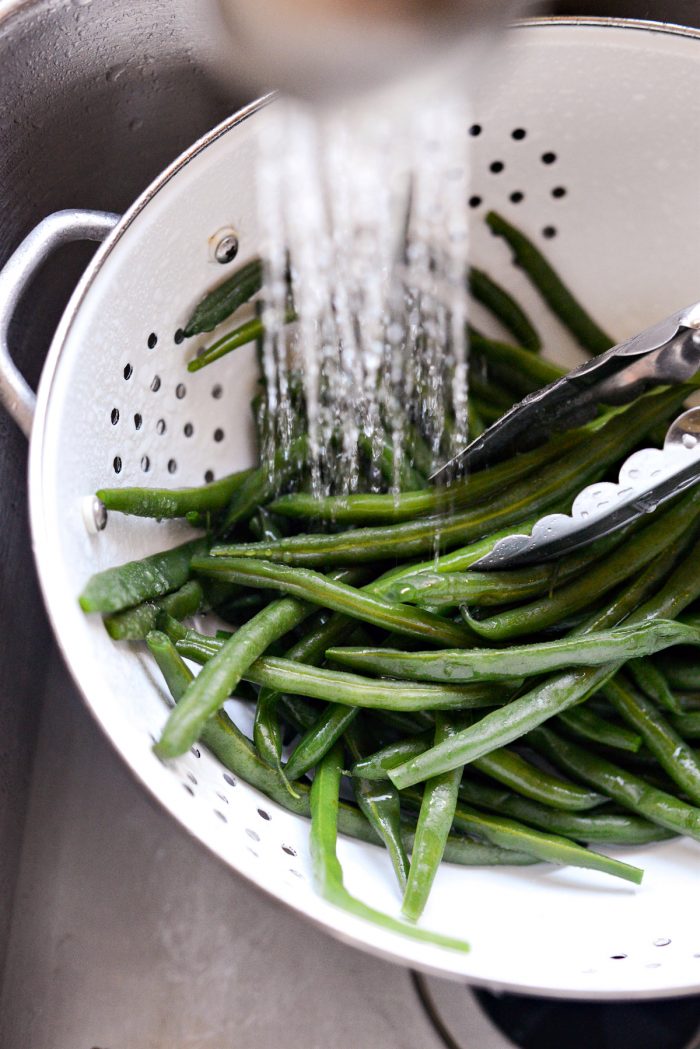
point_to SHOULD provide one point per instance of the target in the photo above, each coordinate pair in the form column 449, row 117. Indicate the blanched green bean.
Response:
column 554, row 695
column 601, row 579
column 621, row 785
column 602, row 827
column 261, row 484
column 557, row 296
column 435, row 818
column 319, row 589
column 652, row 682
column 137, row 581
column 225, row 299
column 668, row 747
column 504, row 308
column 133, row 624
column 174, row 502
column 328, row 874
column 619, row 435
column 585, row 723
column 330, row 725
column 351, row 689
column 552, row 848
column 492, row 664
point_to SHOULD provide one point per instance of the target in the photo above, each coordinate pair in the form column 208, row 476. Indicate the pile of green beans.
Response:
column 478, row 717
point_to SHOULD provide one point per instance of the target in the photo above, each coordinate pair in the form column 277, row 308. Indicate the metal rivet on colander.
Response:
column 225, row 246
column 94, row 514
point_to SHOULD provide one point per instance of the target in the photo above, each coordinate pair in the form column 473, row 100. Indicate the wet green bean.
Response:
column 601, row 827
column 340, row 597
column 620, row 784
column 174, row 502
column 318, row 739
column 550, row 286
column 435, row 818
column 586, row 724
column 133, row 624
column 652, row 683
column 555, row 694
column 219, row 304
column 132, row 583
column 484, row 664
column 328, row 874
column 504, row 308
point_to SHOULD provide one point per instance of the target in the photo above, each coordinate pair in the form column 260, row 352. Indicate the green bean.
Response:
column 131, row 584
column 174, row 502
column 328, row 874
column 267, row 733
column 619, row 784
column 552, row 848
column 555, row 694
column 548, row 283
column 133, row 624
column 516, row 368
column 319, row 589
column 330, row 725
column 408, row 477
column 620, row 434
column 668, row 747
column 381, row 806
column 503, row 765
column 222, row 673
column 604, row 828
column 492, row 664
column 250, row 331
column 652, row 683
column 585, row 723
column 599, row 580
column 236, row 753
column 363, row 507
column 681, row 672
column 350, row 689
column 686, row 725
column 475, row 423
column 434, row 822
column 504, row 308
column 263, row 526
column 225, row 299
column 263, row 482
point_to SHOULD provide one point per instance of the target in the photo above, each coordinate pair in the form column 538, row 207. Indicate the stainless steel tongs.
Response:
column 668, row 353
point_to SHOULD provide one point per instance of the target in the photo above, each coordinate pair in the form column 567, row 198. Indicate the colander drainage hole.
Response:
column 217, row 391
column 252, row 834
column 518, row 134
column 160, row 426
column 114, row 416
column 172, row 466
column 221, row 816
column 138, row 421
column 662, row 941
column 549, row 231
column 188, row 429
column 222, row 797
column 264, row 815
column 558, row 192
column 496, row 166
column 218, row 435
column 192, row 778
column 289, row 850
column 179, row 336
column 155, row 383
column 517, row 197
column 617, row 957
column 188, row 788
column 209, row 476
column 128, row 371
column 229, row 779
column 117, row 464
column 474, row 202
column 196, row 751
column 548, row 158
column 180, row 390
column 475, row 130
column 152, row 340
column 145, row 464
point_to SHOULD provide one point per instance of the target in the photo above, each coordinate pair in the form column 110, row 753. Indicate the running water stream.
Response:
column 364, row 233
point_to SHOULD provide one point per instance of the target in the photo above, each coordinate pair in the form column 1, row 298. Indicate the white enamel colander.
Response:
column 607, row 177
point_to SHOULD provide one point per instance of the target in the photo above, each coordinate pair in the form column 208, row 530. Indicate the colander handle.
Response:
column 55, row 230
